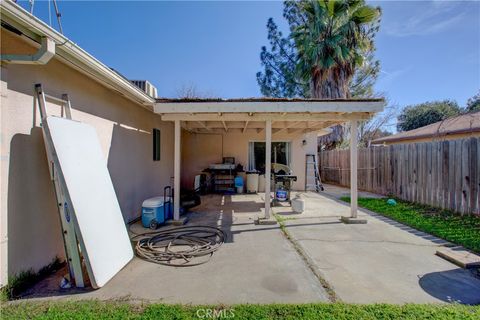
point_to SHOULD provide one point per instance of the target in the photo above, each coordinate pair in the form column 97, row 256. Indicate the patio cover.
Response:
column 270, row 114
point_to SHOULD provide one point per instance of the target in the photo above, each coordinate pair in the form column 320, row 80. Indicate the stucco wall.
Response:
column 200, row 150
column 29, row 218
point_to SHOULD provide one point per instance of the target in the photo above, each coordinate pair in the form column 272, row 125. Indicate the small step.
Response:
column 459, row 256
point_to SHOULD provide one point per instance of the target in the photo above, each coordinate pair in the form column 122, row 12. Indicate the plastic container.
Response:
column 238, row 181
column 261, row 183
column 281, row 195
column 155, row 212
column 298, row 205
column 239, row 184
column 252, row 182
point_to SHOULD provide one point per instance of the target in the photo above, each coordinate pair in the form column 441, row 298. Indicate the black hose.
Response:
column 180, row 247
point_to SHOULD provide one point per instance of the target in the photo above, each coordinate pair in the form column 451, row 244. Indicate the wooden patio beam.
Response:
column 202, row 123
column 288, row 126
column 269, row 106
column 245, row 127
column 267, row 116
column 268, row 166
column 176, row 170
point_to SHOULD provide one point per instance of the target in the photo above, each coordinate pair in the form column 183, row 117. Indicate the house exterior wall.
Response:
column 201, row 150
column 30, row 227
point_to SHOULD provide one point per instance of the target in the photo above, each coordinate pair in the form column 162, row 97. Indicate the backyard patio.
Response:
column 381, row 261
column 239, row 160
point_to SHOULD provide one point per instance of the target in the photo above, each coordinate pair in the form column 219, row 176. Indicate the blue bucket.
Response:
column 238, row 181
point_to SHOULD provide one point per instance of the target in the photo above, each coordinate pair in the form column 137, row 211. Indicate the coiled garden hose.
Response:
column 179, row 247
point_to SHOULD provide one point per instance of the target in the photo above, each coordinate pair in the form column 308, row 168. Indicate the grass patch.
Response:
column 462, row 230
column 24, row 280
column 122, row 310
column 281, row 222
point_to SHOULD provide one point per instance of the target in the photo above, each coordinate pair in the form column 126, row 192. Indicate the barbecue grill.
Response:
column 282, row 180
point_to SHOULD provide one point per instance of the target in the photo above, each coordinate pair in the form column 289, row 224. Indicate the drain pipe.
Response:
column 43, row 55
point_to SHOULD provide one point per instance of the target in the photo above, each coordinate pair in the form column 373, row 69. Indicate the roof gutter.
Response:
column 427, row 135
column 43, row 55
column 70, row 53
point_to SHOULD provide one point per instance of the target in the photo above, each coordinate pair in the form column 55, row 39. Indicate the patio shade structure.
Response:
column 272, row 115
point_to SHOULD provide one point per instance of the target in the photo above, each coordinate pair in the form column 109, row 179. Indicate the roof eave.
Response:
column 260, row 106
column 425, row 136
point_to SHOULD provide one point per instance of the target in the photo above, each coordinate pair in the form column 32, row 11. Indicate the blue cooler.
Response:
column 155, row 211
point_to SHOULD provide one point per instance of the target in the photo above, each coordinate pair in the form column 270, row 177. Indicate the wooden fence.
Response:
column 444, row 174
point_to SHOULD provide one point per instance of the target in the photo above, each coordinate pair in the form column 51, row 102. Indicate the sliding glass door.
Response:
column 256, row 154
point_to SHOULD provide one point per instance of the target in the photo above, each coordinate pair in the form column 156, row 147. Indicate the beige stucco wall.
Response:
column 30, row 229
column 200, row 150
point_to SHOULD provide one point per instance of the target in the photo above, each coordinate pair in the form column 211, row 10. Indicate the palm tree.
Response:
column 332, row 42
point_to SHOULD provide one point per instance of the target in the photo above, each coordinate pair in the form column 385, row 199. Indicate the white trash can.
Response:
column 252, row 182
column 261, row 183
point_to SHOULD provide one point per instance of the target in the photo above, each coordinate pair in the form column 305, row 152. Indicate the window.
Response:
column 256, row 154
column 156, row 144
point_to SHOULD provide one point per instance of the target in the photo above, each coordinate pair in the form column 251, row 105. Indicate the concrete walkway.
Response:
column 257, row 264
column 381, row 261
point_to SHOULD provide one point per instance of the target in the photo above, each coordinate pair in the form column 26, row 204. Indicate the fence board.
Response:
column 458, row 176
column 445, row 165
column 443, row 174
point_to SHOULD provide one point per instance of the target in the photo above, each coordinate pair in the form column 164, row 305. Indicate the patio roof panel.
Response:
column 172, row 106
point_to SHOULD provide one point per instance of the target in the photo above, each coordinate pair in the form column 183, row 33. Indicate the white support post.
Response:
column 268, row 165
column 353, row 168
column 176, row 174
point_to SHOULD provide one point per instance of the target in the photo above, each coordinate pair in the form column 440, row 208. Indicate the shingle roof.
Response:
column 466, row 123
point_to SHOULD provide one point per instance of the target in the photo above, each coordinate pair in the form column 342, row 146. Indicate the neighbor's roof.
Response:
column 33, row 29
column 466, row 123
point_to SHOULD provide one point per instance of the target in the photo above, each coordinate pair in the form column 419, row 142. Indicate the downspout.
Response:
column 43, row 55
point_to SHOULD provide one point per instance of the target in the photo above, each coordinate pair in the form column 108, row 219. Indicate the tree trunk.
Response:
column 333, row 85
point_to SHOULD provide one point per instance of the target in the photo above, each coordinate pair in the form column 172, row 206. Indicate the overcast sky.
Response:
column 428, row 50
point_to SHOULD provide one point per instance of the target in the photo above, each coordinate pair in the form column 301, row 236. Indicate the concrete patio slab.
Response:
column 460, row 256
column 381, row 261
column 338, row 192
column 255, row 265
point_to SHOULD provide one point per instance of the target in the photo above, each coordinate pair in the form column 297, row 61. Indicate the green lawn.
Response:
column 462, row 230
column 121, row 310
